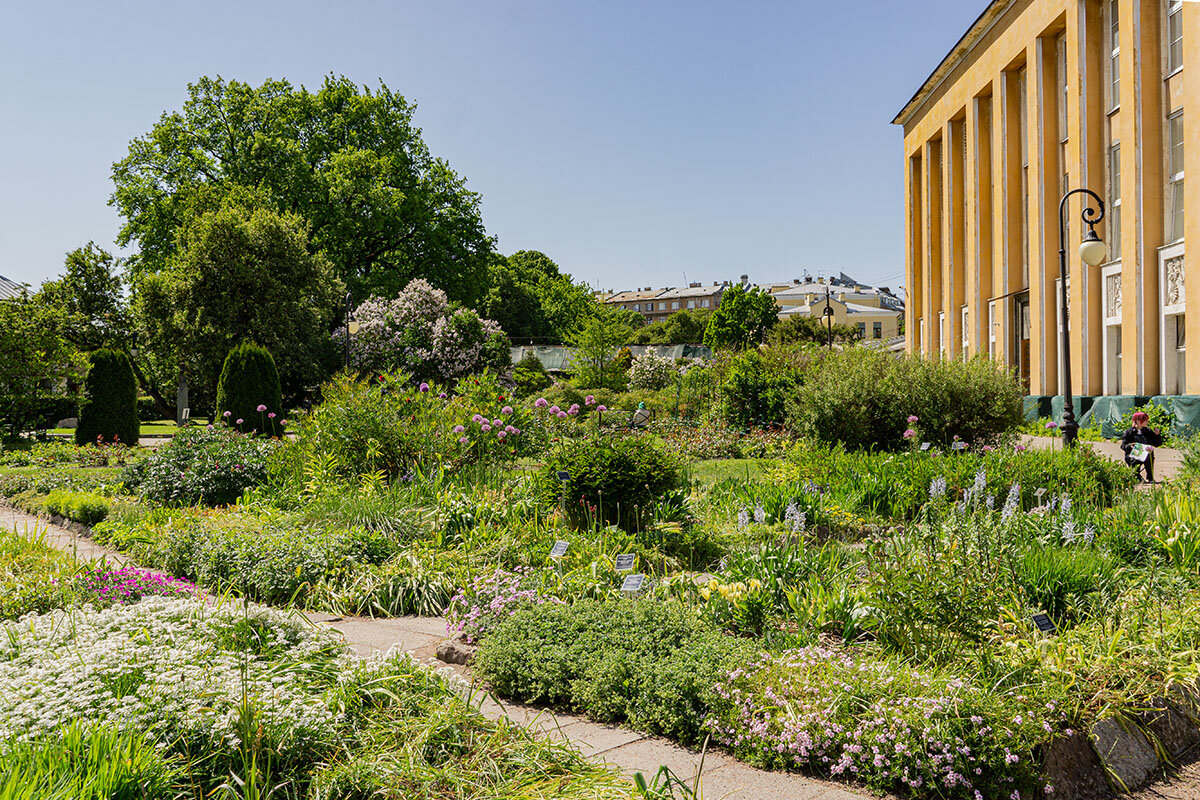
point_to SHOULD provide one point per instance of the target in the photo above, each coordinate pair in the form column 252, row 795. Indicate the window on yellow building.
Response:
column 1114, row 202
column 877, row 331
column 1175, row 178
column 1174, row 35
column 1114, row 54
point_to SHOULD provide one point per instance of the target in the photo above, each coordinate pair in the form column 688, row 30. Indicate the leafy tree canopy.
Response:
column 36, row 359
column 797, row 329
column 89, row 298
column 347, row 160
column 533, row 299
column 240, row 272
column 742, row 319
column 597, row 344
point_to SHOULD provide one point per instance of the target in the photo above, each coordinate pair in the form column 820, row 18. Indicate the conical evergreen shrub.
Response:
column 108, row 412
column 249, row 380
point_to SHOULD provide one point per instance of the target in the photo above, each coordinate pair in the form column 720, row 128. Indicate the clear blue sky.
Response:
column 633, row 141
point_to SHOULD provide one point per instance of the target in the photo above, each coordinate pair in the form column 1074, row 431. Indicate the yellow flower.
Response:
column 755, row 584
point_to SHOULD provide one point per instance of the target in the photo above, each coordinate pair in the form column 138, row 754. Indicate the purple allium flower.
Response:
column 910, row 433
column 477, row 419
column 271, row 415
column 500, row 434
column 1020, row 448
column 209, row 427
column 554, row 410
column 240, row 421
column 506, row 411
column 516, row 431
column 602, row 409
column 261, row 408
column 496, row 423
column 1051, row 425
column 574, row 409
column 463, row 440
column 590, row 400
column 913, row 418
column 459, row 429
column 283, row 422
column 987, row 448
column 562, row 415
column 226, row 415
column 540, row 403
column 424, row 387
column 485, row 427
column 442, row 395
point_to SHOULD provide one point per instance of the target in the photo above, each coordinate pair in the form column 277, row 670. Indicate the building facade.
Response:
column 1040, row 97
column 876, row 312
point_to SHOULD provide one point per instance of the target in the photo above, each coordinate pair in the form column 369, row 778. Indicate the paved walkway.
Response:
column 722, row 776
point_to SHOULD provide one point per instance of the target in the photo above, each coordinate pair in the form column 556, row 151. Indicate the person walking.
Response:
column 1139, row 443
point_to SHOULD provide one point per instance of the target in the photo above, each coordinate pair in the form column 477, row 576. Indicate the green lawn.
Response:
column 709, row 473
column 160, row 427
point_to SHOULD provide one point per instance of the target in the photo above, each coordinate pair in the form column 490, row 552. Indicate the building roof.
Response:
column 695, row 290
column 978, row 28
column 11, row 290
column 633, row 295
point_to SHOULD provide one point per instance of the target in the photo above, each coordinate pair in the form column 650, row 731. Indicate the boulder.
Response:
column 1171, row 726
column 1074, row 770
column 455, row 651
column 1126, row 753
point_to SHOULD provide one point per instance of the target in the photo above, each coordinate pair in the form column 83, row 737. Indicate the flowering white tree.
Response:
column 650, row 371
column 419, row 331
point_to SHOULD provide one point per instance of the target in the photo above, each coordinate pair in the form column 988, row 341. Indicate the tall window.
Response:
column 1174, row 35
column 1114, row 201
column 1175, row 178
column 1023, row 133
column 1114, row 54
column 1061, row 46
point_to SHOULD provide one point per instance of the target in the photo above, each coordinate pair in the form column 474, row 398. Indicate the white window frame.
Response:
column 674, row 305
column 1114, row 201
column 1114, row 56
column 1174, row 179
column 1174, row 12
column 691, row 304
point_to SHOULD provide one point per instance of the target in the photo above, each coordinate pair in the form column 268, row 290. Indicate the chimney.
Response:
column 745, row 280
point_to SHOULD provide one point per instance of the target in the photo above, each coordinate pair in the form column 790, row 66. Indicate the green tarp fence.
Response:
column 1108, row 411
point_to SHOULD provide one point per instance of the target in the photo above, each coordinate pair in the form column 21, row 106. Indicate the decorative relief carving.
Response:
column 1112, row 296
column 1174, row 273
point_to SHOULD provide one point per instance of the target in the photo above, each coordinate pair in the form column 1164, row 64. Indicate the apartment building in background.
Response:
column 875, row 311
column 1037, row 98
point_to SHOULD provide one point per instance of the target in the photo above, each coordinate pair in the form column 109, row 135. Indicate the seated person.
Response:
column 1141, row 433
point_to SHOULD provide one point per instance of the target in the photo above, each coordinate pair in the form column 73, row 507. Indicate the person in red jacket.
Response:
column 1141, row 434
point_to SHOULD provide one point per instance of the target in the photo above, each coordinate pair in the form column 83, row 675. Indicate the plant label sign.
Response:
column 633, row 583
column 625, row 562
column 1044, row 623
column 560, row 549
column 187, row 414
column 1038, row 494
column 925, row 446
column 563, row 475
column 958, row 446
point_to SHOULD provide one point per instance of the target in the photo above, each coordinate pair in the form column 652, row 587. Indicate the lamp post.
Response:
column 1092, row 252
column 351, row 328
column 828, row 314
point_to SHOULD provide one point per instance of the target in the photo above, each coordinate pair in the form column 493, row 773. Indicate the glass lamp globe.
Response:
column 353, row 327
column 1092, row 250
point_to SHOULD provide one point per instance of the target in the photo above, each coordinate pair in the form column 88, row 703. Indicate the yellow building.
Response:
column 1037, row 98
column 875, row 312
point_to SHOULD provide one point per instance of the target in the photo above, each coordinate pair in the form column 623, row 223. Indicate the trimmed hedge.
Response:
column 108, row 412
column 249, row 381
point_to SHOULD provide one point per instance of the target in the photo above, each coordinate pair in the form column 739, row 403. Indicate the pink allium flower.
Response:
column 516, row 431
column 226, row 415
column 501, row 434
column 1020, row 448
column 590, row 400
column 507, row 410
column 271, row 415
column 602, row 409
column 910, row 433
column 554, row 410
column 912, row 418
column 1051, row 426
column 477, row 419
column 424, row 387
column 496, row 423
column 261, row 408
column 574, row 409
column 486, row 427
column 209, row 427
column 459, row 429
column 442, row 395
column 509, row 428
column 239, row 422
column 463, row 440
column 562, row 415
column 540, row 403
column 987, row 448
column 283, row 422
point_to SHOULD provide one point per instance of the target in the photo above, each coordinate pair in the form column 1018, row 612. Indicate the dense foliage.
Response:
column 248, row 395
column 742, row 319
column 108, row 412
column 208, row 466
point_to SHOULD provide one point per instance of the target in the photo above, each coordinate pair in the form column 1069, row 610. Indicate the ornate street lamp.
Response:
column 351, row 328
column 828, row 314
column 1092, row 252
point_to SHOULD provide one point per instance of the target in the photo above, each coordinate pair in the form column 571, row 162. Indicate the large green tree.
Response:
column 597, row 343
column 90, row 299
column 35, row 360
column 742, row 318
column 240, row 272
column 350, row 161
column 533, row 299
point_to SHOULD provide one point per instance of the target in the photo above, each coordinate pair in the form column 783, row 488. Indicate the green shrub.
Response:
column 108, row 411
column 530, row 376
column 1063, row 581
column 754, row 392
column 863, row 397
column 211, row 466
column 613, row 481
column 83, row 507
column 1161, row 420
column 248, row 395
column 649, row 664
